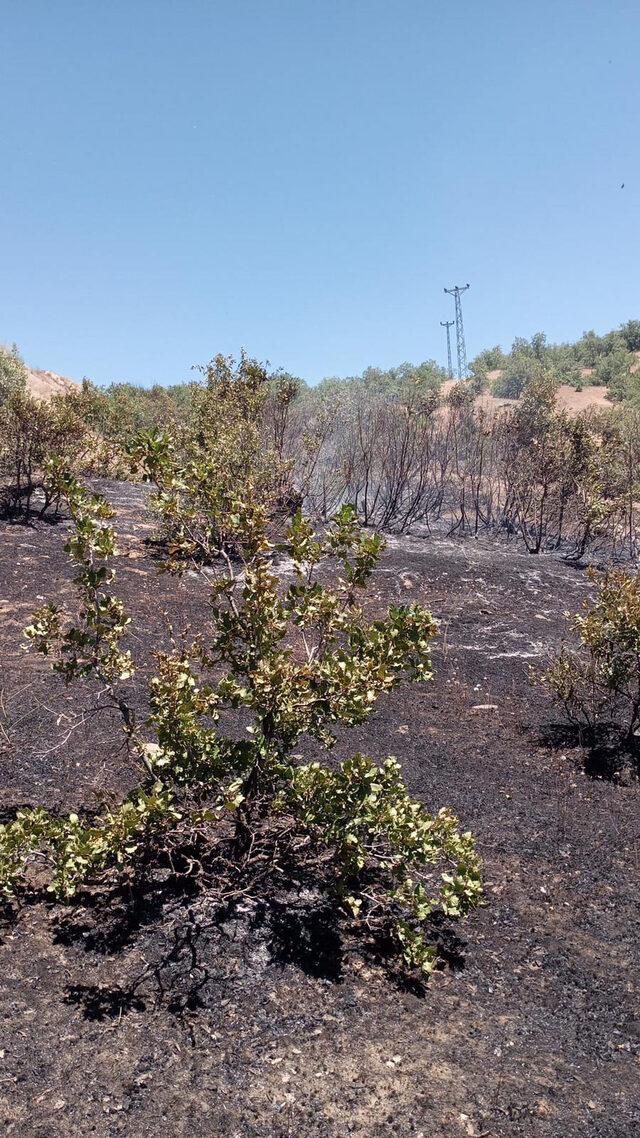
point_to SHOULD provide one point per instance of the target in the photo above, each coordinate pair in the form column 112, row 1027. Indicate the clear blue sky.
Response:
column 302, row 177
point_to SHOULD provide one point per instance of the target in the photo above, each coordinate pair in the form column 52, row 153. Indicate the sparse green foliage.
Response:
column 31, row 432
column 122, row 409
column 75, row 850
column 593, row 359
column 631, row 334
column 625, row 389
column 13, row 374
column 218, row 468
column 521, row 370
column 298, row 654
column 92, row 646
column 599, row 682
column 491, row 359
column 613, row 369
column 386, row 847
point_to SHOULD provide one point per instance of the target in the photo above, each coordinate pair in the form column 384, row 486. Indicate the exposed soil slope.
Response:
column 46, row 384
column 567, row 398
column 531, row 1029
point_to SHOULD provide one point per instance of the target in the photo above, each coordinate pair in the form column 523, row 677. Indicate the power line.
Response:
column 447, row 324
column 462, row 348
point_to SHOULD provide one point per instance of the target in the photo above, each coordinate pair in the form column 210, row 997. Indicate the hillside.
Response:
column 46, row 384
column 568, row 398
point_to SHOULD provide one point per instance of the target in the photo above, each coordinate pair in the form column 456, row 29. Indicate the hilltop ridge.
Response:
column 44, row 384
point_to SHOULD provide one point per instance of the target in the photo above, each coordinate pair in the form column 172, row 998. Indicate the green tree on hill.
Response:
column 13, row 373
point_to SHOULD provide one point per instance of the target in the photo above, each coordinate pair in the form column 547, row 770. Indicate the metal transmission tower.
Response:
column 447, row 324
column 462, row 349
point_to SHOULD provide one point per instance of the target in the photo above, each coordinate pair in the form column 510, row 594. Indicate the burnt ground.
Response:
column 284, row 1028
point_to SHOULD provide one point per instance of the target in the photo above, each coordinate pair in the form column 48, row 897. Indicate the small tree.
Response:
column 631, row 335
column 537, row 462
column 13, row 374
column 491, row 359
column 31, row 431
column 298, row 658
column 598, row 683
column 197, row 470
column 521, row 370
column 612, row 370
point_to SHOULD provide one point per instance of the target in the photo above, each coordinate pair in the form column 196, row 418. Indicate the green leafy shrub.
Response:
column 119, row 411
column 203, row 473
column 491, row 359
column 630, row 333
column 13, row 373
column 299, row 658
column 31, row 432
column 612, row 369
column 598, row 683
column 519, row 372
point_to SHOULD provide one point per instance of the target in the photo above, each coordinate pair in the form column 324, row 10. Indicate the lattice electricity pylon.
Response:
column 462, row 348
column 447, row 324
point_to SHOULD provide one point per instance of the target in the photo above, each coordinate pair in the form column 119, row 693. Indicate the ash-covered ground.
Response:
column 266, row 1027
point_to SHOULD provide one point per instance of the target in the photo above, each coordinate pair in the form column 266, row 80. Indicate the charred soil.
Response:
column 158, row 1015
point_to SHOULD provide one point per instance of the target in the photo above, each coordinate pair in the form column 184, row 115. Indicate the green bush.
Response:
column 520, row 371
column 13, row 374
column 299, row 658
column 598, row 683
column 625, row 389
column 612, row 370
column 631, row 334
column 31, row 432
column 220, row 457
